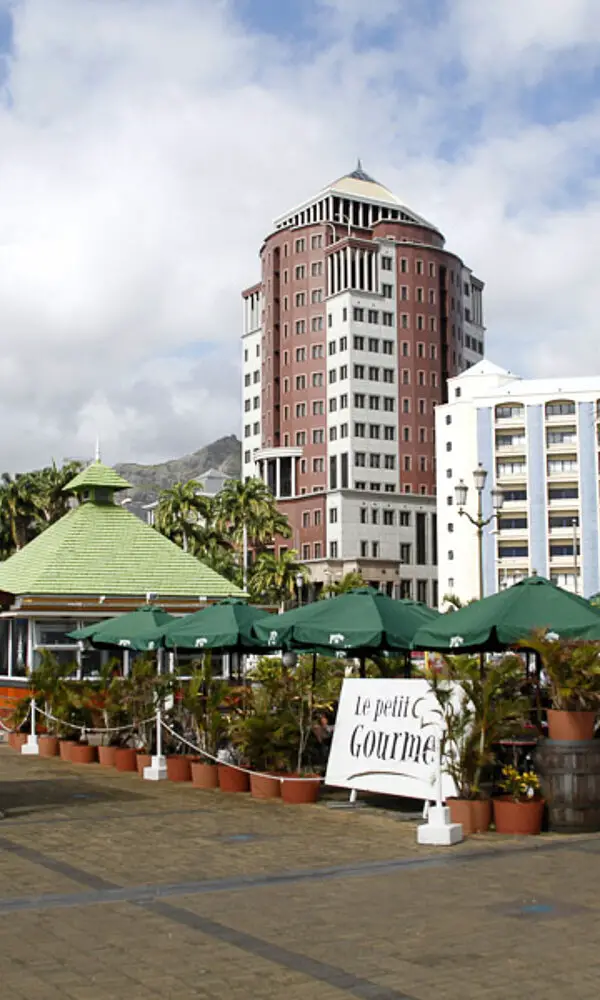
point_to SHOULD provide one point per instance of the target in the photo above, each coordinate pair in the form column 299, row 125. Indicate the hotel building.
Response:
column 360, row 316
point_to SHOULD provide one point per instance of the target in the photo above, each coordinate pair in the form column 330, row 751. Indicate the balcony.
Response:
column 511, row 472
column 562, row 503
column 563, row 469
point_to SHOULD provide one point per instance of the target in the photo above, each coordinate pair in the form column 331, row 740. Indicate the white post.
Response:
column 31, row 747
column 293, row 461
column 439, row 830
column 158, row 768
column 126, row 663
column 277, row 478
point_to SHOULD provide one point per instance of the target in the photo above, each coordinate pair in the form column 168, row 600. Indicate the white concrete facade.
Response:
column 538, row 441
column 251, row 382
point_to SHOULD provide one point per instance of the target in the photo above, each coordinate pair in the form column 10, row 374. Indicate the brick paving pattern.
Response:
column 114, row 888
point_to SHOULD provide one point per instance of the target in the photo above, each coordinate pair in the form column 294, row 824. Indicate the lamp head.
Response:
column 479, row 478
column 460, row 493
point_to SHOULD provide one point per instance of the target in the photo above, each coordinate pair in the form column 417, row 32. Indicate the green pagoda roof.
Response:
column 100, row 548
column 97, row 474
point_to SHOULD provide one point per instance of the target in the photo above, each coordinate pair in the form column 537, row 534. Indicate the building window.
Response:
column 390, row 461
column 359, row 430
column 318, row 465
column 333, row 550
column 344, row 315
column 300, row 354
column 403, row 265
column 407, row 463
column 317, row 550
column 364, row 549
column 388, row 374
column 360, row 459
column 316, row 269
column 375, row 550
column 363, row 515
column 300, row 381
column 373, row 374
column 300, row 246
column 388, row 346
column 318, row 436
column 358, row 315
column 318, row 408
column 317, row 379
column 332, row 405
column 300, row 272
column 374, row 345
column 247, row 430
column 333, row 515
column 374, row 431
column 386, row 263
column 247, row 405
column 431, row 270
column 343, row 430
column 306, row 519
column 344, row 401
column 316, row 241
column 404, row 519
column 386, row 291
column 374, row 461
column 388, row 518
column 300, row 298
column 375, row 516
column 332, row 377
column 420, row 294
column 300, row 439
column 316, row 324
column 387, row 318
column 389, row 404
column 343, row 343
column 247, row 456
column 406, row 553
column 343, row 372
column 359, row 371
column 300, row 409
column 300, row 326
column 358, row 343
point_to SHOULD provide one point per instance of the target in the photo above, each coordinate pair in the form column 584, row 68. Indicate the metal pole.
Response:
column 158, row 733
column 480, row 539
column 245, row 556
column 575, row 560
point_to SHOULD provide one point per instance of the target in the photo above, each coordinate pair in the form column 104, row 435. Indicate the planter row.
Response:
column 509, row 816
column 291, row 789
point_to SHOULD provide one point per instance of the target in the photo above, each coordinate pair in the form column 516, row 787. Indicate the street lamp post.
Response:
column 479, row 521
column 299, row 585
column 575, row 560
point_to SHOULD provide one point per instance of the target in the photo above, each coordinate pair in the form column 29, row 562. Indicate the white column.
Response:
column 278, row 477
column 348, row 266
column 329, row 275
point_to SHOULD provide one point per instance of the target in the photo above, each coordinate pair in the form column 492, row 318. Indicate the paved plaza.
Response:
column 119, row 889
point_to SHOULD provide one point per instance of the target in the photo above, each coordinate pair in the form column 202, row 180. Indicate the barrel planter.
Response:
column 233, row 780
column 518, row 817
column 263, row 786
column 107, row 756
column 570, row 726
column 474, row 815
column 296, row 790
column 48, row 746
column 83, row 753
column 143, row 760
column 64, row 749
column 570, row 781
column 126, row 759
column 204, row 775
column 179, row 767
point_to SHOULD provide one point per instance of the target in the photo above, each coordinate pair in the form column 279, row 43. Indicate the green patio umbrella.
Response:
column 505, row 618
column 138, row 630
column 361, row 622
column 226, row 626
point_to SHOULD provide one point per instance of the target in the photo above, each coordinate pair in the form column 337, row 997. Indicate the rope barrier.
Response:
column 96, row 729
column 7, row 729
column 226, row 763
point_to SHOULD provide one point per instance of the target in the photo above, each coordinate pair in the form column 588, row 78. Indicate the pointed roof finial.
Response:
column 359, row 165
column 97, row 455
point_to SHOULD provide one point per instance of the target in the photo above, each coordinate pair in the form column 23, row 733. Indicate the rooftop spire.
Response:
column 360, row 175
column 97, row 455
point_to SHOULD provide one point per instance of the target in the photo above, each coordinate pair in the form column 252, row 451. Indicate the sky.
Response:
column 147, row 145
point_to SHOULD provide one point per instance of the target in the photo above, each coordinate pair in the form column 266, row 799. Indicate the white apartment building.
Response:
column 538, row 441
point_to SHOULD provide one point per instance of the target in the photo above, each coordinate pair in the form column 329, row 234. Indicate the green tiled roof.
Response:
column 97, row 474
column 103, row 549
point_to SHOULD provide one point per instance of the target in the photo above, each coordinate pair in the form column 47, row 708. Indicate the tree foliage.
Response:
column 30, row 502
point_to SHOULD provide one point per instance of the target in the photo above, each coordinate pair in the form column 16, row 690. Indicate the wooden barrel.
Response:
column 570, row 779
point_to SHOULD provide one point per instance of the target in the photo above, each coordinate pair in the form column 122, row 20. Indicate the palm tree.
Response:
column 49, row 498
column 273, row 578
column 248, row 512
column 348, row 582
column 181, row 511
column 17, row 509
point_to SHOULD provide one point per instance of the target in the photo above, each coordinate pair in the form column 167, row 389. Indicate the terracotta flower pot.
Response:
column 107, row 756
column 232, row 780
column 573, row 726
column 204, row 775
column 518, row 817
column 262, row 786
column 474, row 815
column 126, row 759
column 64, row 748
column 296, row 790
column 19, row 739
column 82, row 753
column 179, row 768
column 48, row 746
column 143, row 760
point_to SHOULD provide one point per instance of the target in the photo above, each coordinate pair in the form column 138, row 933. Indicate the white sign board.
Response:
column 386, row 739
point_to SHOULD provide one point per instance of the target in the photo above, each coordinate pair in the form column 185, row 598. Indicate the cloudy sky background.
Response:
column 146, row 145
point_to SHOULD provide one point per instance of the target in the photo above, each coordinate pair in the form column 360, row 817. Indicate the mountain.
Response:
column 225, row 455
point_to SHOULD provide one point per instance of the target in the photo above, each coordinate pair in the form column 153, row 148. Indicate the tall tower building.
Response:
column 359, row 319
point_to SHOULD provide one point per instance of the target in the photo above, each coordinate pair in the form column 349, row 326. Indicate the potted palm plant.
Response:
column 572, row 669
column 521, row 809
column 490, row 707
column 203, row 701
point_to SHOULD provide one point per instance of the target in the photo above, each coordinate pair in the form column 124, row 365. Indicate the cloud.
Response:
column 148, row 144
